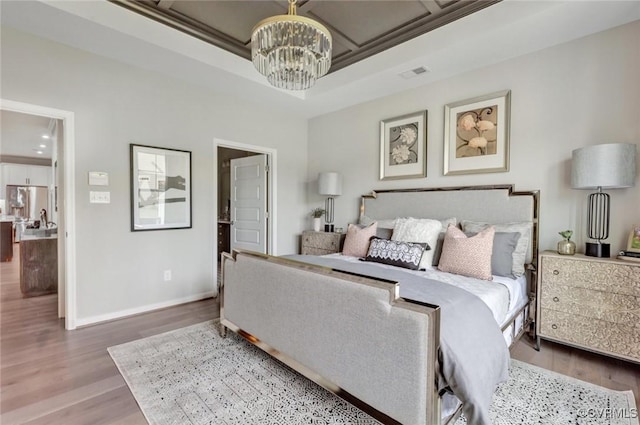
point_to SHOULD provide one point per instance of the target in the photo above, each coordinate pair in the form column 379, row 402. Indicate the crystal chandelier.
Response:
column 291, row 51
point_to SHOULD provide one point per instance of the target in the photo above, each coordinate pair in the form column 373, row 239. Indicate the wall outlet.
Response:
column 167, row 275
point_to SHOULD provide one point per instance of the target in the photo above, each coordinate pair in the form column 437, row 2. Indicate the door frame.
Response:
column 69, row 213
column 271, row 194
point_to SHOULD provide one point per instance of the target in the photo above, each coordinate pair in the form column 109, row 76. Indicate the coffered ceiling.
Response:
column 360, row 28
column 461, row 36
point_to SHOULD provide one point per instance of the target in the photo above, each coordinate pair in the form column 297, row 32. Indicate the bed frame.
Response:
column 343, row 330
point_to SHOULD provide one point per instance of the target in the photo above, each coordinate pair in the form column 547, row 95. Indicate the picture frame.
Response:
column 476, row 134
column 403, row 146
column 160, row 188
column 633, row 245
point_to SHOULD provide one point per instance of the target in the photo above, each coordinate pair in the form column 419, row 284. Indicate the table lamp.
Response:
column 607, row 166
column 329, row 184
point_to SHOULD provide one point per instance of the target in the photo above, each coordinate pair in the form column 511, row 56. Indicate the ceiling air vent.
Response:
column 414, row 72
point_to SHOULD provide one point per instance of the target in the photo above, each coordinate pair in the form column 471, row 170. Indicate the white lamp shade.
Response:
column 330, row 184
column 608, row 166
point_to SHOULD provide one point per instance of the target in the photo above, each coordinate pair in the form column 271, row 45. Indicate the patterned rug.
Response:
column 192, row 376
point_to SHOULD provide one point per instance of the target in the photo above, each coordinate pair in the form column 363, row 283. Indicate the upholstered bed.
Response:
column 404, row 345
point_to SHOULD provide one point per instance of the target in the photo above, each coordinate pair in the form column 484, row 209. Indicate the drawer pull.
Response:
column 556, row 272
column 556, row 299
column 554, row 326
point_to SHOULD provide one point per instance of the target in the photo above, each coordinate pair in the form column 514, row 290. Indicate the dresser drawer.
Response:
column 607, row 337
column 605, row 276
column 607, row 306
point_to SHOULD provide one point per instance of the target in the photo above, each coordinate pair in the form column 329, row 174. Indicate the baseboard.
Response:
column 92, row 320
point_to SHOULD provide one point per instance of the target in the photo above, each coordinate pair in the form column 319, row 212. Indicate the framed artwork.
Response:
column 634, row 240
column 160, row 188
column 403, row 147
column 476, row 135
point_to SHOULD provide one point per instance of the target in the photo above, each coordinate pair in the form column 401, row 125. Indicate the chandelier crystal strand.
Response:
column 291, row 51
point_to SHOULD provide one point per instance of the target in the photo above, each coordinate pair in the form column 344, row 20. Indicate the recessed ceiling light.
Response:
column 45, row 136
column 39, row 152
column 43, row 146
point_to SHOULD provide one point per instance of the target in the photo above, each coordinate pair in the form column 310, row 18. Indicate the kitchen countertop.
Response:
column 37, row 237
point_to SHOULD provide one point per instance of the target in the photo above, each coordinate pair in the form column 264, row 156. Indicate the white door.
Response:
column 249, row 203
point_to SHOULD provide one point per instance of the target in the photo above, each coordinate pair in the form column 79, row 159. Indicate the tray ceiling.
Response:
column 360, row 28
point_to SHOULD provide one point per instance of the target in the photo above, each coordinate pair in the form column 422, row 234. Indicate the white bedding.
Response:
column 503, row 295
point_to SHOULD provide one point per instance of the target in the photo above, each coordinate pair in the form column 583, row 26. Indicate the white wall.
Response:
column 577, row 94
column 115, row 104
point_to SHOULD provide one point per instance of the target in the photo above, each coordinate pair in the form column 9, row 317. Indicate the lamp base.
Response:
column 597, row 249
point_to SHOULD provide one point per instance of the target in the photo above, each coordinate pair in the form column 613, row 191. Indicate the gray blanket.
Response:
column 473, row 353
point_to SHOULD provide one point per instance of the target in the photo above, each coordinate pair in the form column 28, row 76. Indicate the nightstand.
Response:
column 590, row 303
column 320, row 243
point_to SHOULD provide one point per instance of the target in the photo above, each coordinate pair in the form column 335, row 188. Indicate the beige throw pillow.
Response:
column 467, row 256
column 356, row 242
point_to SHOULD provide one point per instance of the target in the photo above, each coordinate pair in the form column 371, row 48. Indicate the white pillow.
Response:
column 522, row 250
column 419, row 230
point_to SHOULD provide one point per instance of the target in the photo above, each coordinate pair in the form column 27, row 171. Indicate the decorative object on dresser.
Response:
column 607, row 166
column 403, row 147
column 476, row 134
column 566, row 246
column 316, row 215
column 320, row 243
column 329, row 184
column 590, row 303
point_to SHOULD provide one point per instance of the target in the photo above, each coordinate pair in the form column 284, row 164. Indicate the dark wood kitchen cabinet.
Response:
column 6, row 241
column 39, row 266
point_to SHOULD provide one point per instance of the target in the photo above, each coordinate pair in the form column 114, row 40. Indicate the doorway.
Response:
column 59, row 199
column 230, row 155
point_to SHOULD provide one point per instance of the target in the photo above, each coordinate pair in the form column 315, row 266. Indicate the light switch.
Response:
column 99, row 197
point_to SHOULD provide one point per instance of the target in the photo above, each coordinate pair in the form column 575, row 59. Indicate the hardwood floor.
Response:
column 51, row 376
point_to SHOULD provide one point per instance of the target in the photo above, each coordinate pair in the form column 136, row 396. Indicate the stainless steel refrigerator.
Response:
column 27, row 201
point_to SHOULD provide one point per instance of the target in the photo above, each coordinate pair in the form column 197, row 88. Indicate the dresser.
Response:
column 590, row 303
column 320, row 243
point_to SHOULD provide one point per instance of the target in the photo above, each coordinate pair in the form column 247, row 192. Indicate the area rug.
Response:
column 193, row 376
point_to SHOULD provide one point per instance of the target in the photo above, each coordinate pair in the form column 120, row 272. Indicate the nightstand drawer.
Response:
column 597, row 275
column 320, row 243
column 611, row 338
column 307, row 250
column 606, row 306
